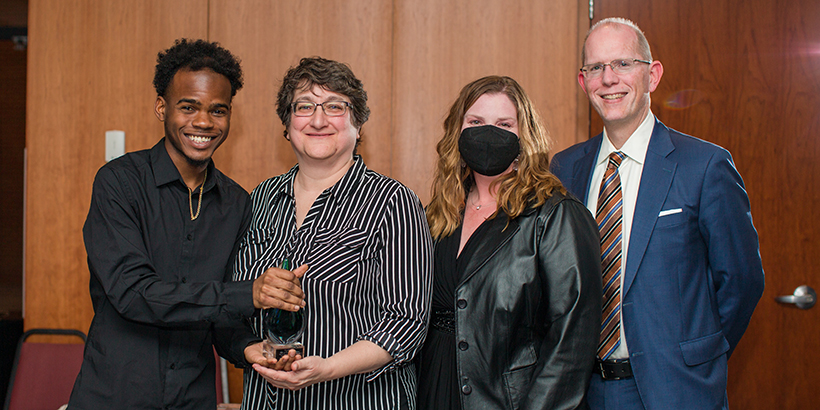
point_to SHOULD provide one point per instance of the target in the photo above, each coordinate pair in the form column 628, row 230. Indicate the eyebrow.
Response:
column 332, row 98
column 196, row 102
column 484, row 119
column 188, row 101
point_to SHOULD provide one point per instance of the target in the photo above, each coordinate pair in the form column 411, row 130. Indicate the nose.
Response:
column 609, row 76
column 318, row 120
column 203, row 120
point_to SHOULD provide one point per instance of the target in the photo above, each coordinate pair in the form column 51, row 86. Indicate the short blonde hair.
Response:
column 641, row 46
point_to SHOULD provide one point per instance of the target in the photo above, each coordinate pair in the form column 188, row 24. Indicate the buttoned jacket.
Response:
column 528, row 311
column 693, row 273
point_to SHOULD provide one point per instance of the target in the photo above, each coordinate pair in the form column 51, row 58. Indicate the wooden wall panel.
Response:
column 90, row 70
column 440, row 46
column 270, row 37
column 92, row 63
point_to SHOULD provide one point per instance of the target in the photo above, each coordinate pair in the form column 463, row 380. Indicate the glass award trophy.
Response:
column 283, row 329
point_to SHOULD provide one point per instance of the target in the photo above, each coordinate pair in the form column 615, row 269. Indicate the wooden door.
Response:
column 746, row 76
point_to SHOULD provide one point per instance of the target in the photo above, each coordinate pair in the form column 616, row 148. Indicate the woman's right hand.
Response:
column 279, row 288
column 300, row 373
column 254, row 355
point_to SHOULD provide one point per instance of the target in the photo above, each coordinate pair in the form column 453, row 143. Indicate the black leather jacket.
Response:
column 528, row 311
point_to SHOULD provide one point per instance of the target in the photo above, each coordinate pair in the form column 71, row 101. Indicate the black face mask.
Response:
column 488, row 150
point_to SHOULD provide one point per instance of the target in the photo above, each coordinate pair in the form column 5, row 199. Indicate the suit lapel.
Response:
column 656, row 178
column 493, row 240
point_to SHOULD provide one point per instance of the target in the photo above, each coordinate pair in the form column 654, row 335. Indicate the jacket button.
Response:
column 466, row 389
column 463, row 345
column 461, row 303
column 184, row 280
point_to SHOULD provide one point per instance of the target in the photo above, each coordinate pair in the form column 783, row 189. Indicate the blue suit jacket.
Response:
column 692, row 277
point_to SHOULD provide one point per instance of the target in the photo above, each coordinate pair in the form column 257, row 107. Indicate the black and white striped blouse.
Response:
column 369, row 252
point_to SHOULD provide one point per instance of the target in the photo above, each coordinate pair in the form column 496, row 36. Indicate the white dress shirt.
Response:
column 630, row 174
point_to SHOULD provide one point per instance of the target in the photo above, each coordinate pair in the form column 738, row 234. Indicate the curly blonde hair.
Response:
column 531, row 185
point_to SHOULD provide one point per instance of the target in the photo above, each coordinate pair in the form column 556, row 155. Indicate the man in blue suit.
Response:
column 681, row 256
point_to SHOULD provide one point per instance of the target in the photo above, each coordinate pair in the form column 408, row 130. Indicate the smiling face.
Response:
column 320, row 138
column 196, row 111
column 622, row 100
column 492, row 109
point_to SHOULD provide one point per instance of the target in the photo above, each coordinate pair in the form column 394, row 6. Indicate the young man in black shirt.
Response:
column 161, row 236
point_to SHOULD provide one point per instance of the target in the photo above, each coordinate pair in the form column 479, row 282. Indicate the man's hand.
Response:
column 279, row 288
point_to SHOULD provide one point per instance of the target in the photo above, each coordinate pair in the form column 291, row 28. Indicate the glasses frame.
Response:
column 586, row 72
column 346, row 104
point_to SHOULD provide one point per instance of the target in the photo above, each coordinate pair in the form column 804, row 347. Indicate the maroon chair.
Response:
column 43, row 374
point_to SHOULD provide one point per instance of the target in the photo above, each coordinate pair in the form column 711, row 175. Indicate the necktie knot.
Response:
column 615, row 159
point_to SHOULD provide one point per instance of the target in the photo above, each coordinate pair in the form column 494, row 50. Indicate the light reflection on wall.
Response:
column 683, row 99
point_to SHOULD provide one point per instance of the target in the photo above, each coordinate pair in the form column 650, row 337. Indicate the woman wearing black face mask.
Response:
column 517, row 288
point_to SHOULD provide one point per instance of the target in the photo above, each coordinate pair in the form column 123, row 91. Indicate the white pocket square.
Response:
column 670, row 212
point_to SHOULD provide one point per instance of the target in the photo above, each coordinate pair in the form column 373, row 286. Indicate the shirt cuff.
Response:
column 391, row 346
column 239, row 297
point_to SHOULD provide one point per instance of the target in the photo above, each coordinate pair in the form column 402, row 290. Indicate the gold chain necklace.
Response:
column 191, row 200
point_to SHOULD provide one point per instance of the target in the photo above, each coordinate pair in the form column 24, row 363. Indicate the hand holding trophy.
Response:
column 283, row 329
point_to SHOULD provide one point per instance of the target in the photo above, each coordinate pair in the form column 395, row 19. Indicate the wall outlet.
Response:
column 114, row 144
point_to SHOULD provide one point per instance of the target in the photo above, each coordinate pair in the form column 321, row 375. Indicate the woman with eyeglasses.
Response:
column 363, row 251
column 516, row 305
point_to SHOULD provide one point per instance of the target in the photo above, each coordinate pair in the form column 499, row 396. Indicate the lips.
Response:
column 317, row 135
column 613, row 96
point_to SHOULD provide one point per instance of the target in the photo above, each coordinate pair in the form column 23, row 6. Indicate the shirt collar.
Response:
column 635, row 146
column 166, row 172
column 349, row 182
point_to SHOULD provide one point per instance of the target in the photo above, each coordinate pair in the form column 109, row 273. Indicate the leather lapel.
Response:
column 494, row 239
column 656, row 178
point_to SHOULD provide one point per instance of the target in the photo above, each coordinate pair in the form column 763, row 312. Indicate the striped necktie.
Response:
column 609, row 217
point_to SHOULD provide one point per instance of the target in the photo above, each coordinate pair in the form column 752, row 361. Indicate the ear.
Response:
column 159, row 108
column 655, row 74
column 581, row 82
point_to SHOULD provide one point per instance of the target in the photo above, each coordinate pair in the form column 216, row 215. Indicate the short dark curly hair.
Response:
column 331, row 75
column 196, row 55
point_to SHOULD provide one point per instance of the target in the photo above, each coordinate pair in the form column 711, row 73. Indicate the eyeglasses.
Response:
column 617, row 66
column 331, row 108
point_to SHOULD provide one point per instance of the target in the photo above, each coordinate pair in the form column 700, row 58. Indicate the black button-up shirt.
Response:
column 159, row 286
